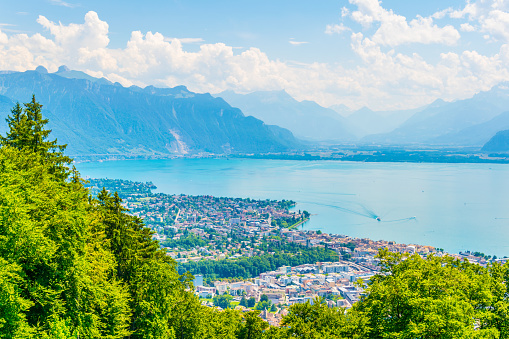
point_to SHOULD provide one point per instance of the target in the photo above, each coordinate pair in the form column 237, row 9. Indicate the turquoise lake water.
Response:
column 456, row 206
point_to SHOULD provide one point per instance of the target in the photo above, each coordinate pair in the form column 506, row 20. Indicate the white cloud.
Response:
column 113, row 77
column 336, row 29
column 368, row 11
column 92, row 34
column 383, row 79
column 63, row 3
column 497, row 24
column 466, row 27
column 3, row 38
column 186, row 40
column 396, row 30
column 297, row 43
column 441, row 14
column 492, row 16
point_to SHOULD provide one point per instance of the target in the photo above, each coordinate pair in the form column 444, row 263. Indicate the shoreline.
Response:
column 357, row 156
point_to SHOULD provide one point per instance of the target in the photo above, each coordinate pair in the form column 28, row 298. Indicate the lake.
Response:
column 453, row 206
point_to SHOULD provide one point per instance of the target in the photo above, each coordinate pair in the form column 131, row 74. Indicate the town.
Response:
column 251, row 254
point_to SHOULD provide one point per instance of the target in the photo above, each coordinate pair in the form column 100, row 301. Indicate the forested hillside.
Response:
column 72, row 266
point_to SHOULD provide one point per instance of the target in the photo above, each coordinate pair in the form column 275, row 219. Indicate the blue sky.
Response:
column 385, row 55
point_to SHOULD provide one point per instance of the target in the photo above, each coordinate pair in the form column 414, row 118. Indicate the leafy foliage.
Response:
column 27, row 132
column 222, row 300
column 437, row 297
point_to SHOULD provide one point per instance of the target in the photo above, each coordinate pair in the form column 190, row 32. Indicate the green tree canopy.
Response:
column 436, row 297
column 222, row 300
column 27, row 131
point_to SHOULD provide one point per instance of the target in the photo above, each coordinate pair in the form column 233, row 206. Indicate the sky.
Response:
column 386, row 55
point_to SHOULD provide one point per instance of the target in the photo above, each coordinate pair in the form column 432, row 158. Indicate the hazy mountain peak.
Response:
column 306, row 119
column 437, row 103
column 41, row 69
column 364, row 109
column 342, row 109
column 63, row 68
column 66, row 72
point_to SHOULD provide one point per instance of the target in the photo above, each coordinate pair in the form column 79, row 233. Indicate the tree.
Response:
column 251, row 302
column 27, row 132
column 253, row 326
column 264, row 305
column 243, row 302
column 436, row 297
column 216, row 324
column 264, row 297
column 158, row 298
column 222, row 301
column 56, row 270
column 319, row 321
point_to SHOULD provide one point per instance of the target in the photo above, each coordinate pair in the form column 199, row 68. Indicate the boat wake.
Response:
column 360, row 210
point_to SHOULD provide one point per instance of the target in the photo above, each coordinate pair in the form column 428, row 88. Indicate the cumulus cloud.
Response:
column 394, row 29
column 491, row 15
column 466, row 27
column 336, row 29
column 383, row 79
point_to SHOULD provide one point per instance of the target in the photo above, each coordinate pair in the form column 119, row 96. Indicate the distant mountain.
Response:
column 97, row 117
column 305, row 119
column 342, row 109
column 499, row 143
column 441, row 122
column 368, row 122
column 476, row 135
column 65, row 72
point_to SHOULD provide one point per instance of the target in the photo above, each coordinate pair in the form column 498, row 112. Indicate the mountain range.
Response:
column 366, row 122
column 469, row 122
column 310, row 121
column 96, row 117
column 305, row 119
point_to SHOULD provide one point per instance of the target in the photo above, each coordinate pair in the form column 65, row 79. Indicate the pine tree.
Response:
column 27, row 133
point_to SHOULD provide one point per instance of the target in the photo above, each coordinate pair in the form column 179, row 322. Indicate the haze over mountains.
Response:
column 306, row 119
column 95, row 116
column 366, row 122
column 310, row 121
column 470, row 122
